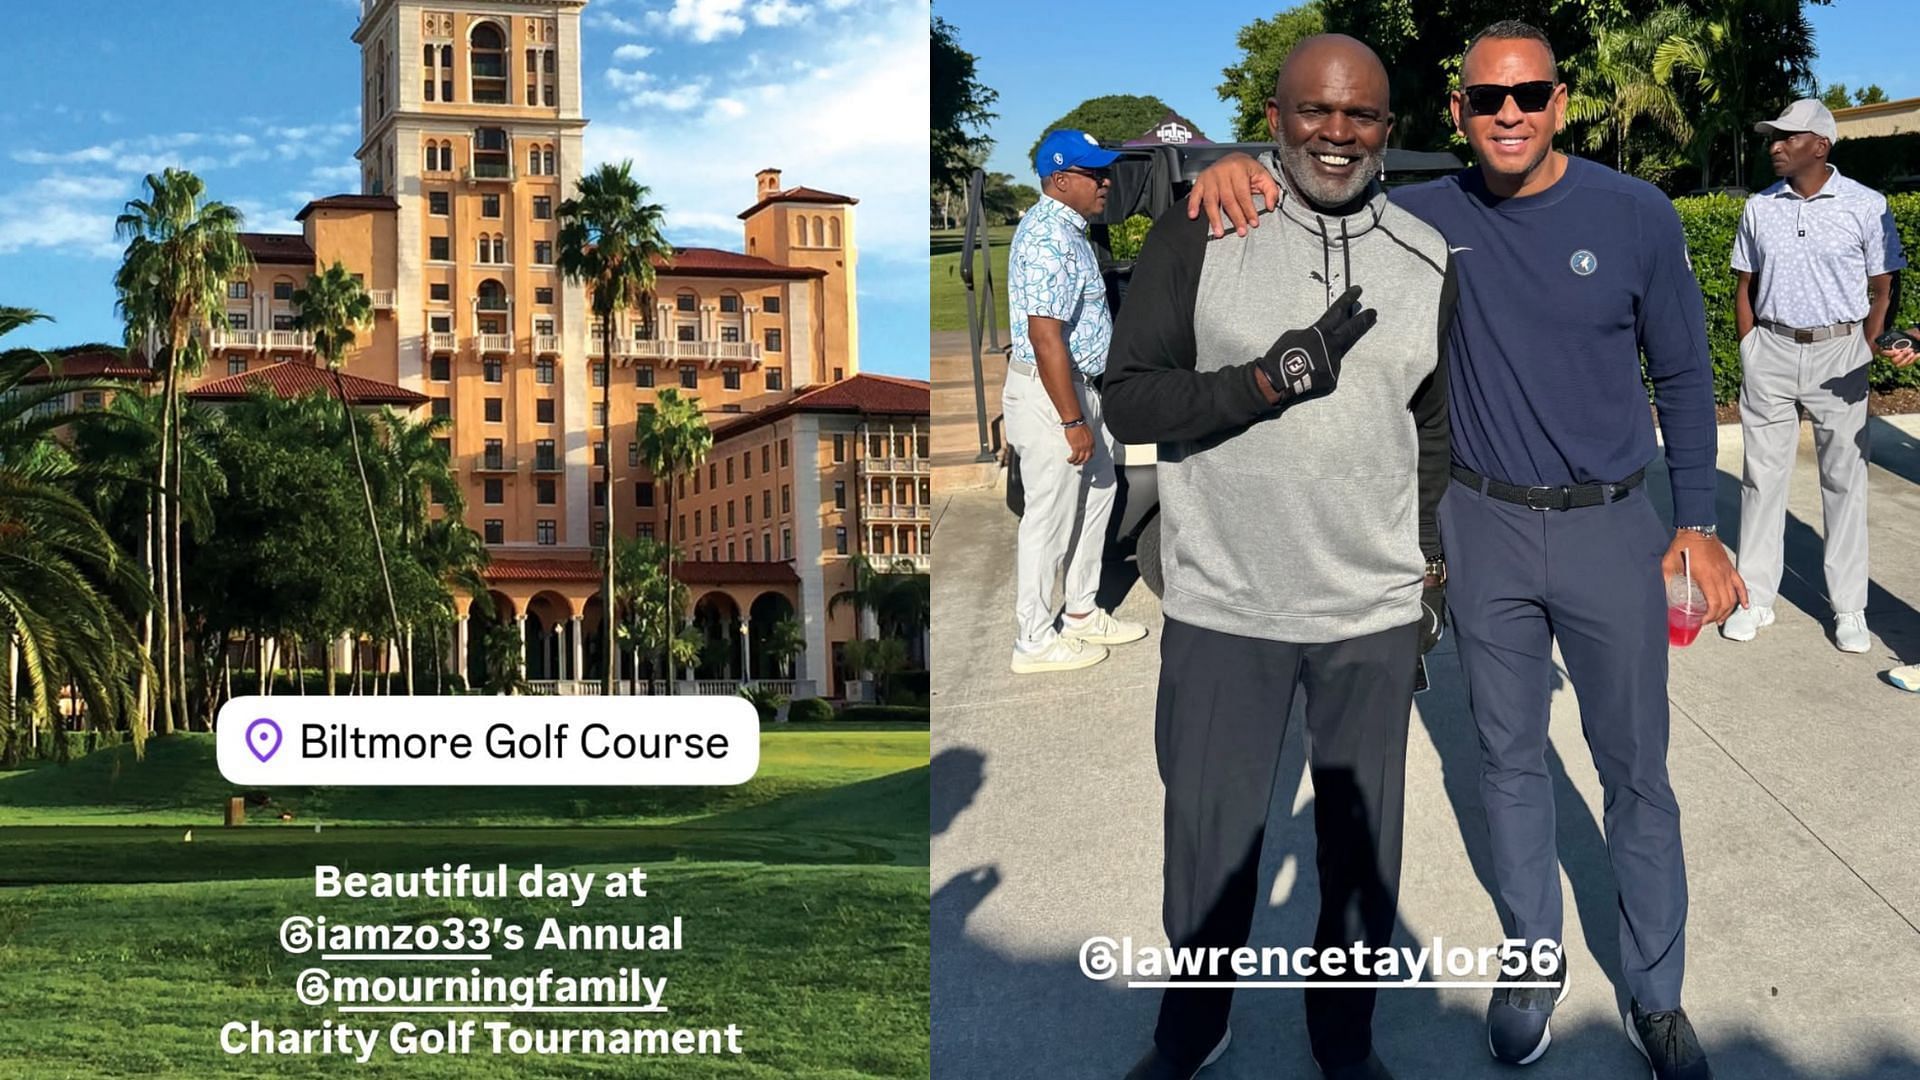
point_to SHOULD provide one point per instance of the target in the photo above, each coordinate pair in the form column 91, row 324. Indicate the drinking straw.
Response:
column 1686, row 567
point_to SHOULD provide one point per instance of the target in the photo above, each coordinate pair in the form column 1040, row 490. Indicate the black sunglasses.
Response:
column 1098, row 176
column 1485, row 99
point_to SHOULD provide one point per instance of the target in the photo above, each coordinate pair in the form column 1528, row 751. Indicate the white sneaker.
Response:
column 1745, row 622
column 1850, row 632
column 1906, row 678
column 1101, row 628
column 1060, row 654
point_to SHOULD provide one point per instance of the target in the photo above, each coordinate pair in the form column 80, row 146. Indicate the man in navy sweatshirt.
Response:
column 1568, row 272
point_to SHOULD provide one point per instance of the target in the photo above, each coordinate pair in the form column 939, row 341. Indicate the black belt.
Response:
column 1540, row 497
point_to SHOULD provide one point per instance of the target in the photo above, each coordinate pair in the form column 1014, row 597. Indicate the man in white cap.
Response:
column 1061, row 330
column 1815, row 257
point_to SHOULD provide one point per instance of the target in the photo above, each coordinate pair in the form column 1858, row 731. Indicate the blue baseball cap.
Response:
column 1068, row 148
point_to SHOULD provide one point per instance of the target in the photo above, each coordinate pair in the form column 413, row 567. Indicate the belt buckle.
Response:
column 1543, row 491
column 1802, row 337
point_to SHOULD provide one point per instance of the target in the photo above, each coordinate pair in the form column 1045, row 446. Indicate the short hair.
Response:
column 1513, row 30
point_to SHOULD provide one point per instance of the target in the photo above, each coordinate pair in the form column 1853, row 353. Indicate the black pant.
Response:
column 1220, row 722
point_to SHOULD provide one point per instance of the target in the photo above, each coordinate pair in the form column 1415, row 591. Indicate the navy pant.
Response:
column 1221, row 718
column 1589, row 578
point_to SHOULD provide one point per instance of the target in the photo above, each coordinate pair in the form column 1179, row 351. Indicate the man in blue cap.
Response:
column 1061, row 330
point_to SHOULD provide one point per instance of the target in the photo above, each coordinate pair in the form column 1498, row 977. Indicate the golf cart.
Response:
column 1147, row 180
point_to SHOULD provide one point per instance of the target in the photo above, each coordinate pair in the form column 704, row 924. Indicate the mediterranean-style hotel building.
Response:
column 471, row 139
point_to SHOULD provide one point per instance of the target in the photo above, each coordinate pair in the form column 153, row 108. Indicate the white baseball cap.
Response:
column 1807, row 114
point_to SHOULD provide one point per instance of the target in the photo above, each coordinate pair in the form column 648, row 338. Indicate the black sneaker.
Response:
column 1159, row 1065
column 1518, row 1031
column 1371, row 1069
column 1667, row 1041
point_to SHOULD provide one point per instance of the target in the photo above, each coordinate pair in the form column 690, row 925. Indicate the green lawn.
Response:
column 949, row 296
column 123, row 948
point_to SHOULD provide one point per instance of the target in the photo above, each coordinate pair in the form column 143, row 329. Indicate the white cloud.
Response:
column 702, row 20
column 678, row 99
column 633, row 52
column 70, row 215
column 601, row 20
column 857, row 126
column 779, row 12
column 334, row 175
column 628, row 82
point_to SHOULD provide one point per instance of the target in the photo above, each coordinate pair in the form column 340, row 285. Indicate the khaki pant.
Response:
column 1067, row 506
column 1830, row 379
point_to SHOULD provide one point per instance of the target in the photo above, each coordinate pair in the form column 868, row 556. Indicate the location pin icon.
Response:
column 263, row 738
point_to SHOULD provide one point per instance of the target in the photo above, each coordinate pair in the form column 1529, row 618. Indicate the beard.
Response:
column 1320, row 191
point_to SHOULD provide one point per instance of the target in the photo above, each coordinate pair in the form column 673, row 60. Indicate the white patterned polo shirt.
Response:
column 1053, row 272
column 1811, row 257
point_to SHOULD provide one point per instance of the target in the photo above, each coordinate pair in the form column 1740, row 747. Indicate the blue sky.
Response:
column 262, row 99
column 1042, row 67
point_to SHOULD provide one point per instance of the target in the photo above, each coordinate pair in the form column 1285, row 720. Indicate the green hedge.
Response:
column 1710, row 222
column 810, row 710
column 886, row 713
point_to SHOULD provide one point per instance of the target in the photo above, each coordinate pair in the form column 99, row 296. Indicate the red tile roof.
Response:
column 546, row 568
column 95, row 365
column 713, row 262
column 292, row 380
column 798, row 194
column 577, row 568
column 277, row 248
column 348, row 202
column 876, row 395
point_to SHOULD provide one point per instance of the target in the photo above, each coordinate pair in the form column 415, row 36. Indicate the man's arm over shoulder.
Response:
column 1152, row 392
column 1430, row 417
column 1672, row 330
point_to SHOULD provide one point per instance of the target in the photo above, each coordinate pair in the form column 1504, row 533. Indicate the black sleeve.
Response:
column 1151, row 393
column 1429, row 407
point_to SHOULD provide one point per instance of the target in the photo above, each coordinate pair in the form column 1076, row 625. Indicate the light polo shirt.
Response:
column 1052, row 272
column 1811, row 257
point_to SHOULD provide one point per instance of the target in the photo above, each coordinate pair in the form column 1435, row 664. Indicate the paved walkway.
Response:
column 1797, row 768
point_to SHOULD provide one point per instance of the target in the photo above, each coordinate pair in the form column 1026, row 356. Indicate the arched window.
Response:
column 833, row 231
column 800, row 232
column 533, row 161
column 499, row 248
column 549, row 163
column 487, row 56
column 493, row 296
column 819, row 232
column 380, row 81
column 481, row 244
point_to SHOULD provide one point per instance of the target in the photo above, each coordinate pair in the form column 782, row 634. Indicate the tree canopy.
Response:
column 959, row 109
column 1110, row 118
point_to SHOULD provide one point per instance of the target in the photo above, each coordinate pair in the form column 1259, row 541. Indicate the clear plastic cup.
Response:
column 1686, row 610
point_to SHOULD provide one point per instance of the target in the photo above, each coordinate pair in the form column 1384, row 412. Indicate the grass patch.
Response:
column 178, row 783
column 826, row 970
column 949, row 295
column 803, row 894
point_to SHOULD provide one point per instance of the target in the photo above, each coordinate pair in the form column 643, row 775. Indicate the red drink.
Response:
column 1683, row 626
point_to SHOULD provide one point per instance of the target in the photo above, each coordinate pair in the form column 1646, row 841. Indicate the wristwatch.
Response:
column 1436, row 572
column 1703, row 530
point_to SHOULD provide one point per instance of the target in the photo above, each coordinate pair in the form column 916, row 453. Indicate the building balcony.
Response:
column 382, row 299
column 894, row 466
column 710, row 353
column 261, row 339
column 443, row 343
column 890, row 564
column 488, row 171
column 548, row 464
column 484, row 462
column 897, row 512
column 493, row 344
column 546, row 344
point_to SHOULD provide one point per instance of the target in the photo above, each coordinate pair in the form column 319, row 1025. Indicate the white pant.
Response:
column 1067, row 506
column 1830, row 379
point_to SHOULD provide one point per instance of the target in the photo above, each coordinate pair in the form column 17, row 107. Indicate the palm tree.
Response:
column 645, row 599
column 1615, row 85
column 786, row 640
column 673, row 436
column 172, row 291
column 60, row 571
column 332, row 305
column 610, row 239
column 1741, row 57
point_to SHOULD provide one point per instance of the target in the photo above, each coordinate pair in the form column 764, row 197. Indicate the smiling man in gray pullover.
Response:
column 1303, row 452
